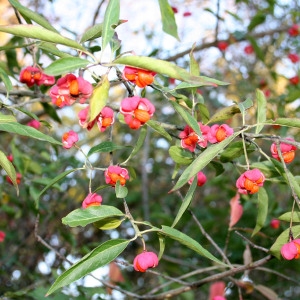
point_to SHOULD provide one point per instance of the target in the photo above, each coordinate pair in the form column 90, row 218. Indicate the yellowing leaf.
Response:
column 99, row 98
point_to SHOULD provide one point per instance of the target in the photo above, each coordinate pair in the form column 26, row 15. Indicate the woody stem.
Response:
column 135, row 227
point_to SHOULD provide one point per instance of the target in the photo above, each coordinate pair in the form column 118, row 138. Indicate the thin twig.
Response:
column 251, row 243
column 214, row 43
column 207, row 236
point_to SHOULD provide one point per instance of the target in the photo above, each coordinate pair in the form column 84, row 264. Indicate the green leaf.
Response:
column 121, row 191
column 65, row 65
column 282, row 239
column 243, row 106
column 267, row 167
column 4, row 77
column 258, row 51
column 33, row 16
column 28, row 113
column 187, row 117
column 111, row 19
column 262, row 210
column 197, row 81
column 48, row 47
column 7, row 118
column 138, row 144
column 168, row 19
column 162, row 245
column 203, row 112
column 292, row 95
column 290, row 215
column 51, row 111
column 56, row 179
column 224, row 114
column 108, row 223
column 40, row 33
column 83, row 217
column 107, row 146
column 25, row 130
column 96, row 31
column 202, row 160
column 189, row 242
column 99, row 98
column 159, row 129
column 218, row 167
column 186, row 201
column 235, row 150
column 289, row 122
column 9, row 169
column 287, row 175
column 92, row 33
column 194, row 65
column 166, row 68
column 99, row 257
column 261, row 110
column 180, row 155
column 258, row 19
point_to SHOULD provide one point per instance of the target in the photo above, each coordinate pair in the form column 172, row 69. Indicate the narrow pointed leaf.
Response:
column 33, row 16
column 290, row 122
column 168, row 19
column 159, row 129
column 40, row 33
column 288, row 176
column 261, row 110
column 121, row 191
column 186, row 202
column 92, row 33
column 202, row 160
column 257, row 19
column 96, row 31
column 7, row 83
column 258, row 51
column 48, row 47
column 99, row 98
column 25, row 130
column 111, row 19
column 106, row 146
column 56, row 179
column 7, row 118
column 65, row 65
column 166, row 68
column 224, row 114
column 282, row 239
column 162, row 245
column 290, row 215
column 138, row 144
column 189, row 242
column 235, row 150
column 187, row 117
column 108, row 223
column 83, row 217
column 180, row 155
column 9, row 169
column 262, row 210
column 99, row 257
column 194, row 65
column 243, row 106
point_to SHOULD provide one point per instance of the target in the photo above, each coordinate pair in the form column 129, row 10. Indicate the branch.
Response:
column 229, row 40
column 218, row 276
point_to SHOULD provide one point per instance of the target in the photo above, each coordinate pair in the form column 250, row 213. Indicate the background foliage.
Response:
column 39, row 246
